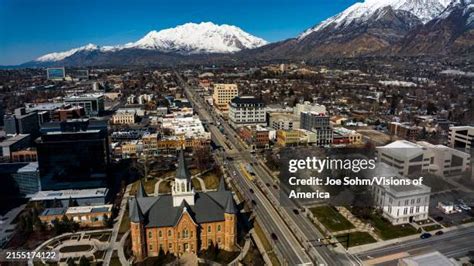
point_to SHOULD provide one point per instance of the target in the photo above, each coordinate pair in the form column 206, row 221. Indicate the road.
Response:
column 287, row 245
column 456, row 243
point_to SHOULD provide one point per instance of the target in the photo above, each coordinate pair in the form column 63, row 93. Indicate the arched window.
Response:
column 219, row 228
column 183, row 188
column 160, row 234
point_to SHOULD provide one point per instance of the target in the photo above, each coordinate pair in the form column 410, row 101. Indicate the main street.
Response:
column 290, row 249
column 299, row 226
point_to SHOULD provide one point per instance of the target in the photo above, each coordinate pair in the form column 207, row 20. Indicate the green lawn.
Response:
column 356, row 239
column 331, row 218
column 388, row 231
column 432, row 227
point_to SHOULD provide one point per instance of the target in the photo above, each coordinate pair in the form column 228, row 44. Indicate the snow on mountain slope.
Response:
column 425, row 10
column 205, row 37
column 62, row 55
column 190, row 38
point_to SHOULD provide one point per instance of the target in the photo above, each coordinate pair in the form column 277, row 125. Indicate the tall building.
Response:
column 318, row 123
column 223, row 94
column 73, row 151
column 93, row 103
column 247, row 111
column 21, row 122
column 24, row 175
column 461, row 137
column 184, row 221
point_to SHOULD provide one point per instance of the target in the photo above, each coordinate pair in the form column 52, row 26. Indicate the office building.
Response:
column 21, row 122
column 461, row 137
column 62, row 198
column 415, row 158
column 247, row 111
column 318, row 123
column 73, row 151
column 401, row 204
column 93, row 103
column 24, row 175
column 13, row 144
column 223, row 94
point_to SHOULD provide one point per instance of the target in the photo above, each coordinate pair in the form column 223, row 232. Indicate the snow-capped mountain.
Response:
column 450, row 32
column 205, row 37
column 62, row 55
column 190, row 38
column 424, row 10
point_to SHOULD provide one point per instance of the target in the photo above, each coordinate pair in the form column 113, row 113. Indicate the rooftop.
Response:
column 69, row 193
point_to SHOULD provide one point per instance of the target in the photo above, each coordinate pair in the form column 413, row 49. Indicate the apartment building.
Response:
column 247, row 111
column 318, row 123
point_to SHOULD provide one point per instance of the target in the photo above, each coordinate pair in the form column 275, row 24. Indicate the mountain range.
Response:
column 372, row 27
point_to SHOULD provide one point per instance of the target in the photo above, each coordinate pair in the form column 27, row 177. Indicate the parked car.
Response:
column 438, row 233
column 274, row 237
column 296, row 211
column 425, row 235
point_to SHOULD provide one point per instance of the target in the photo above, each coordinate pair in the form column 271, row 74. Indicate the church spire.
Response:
column 230, row 205
column 141, row 193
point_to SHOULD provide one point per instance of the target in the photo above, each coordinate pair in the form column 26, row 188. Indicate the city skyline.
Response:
column 74, row 24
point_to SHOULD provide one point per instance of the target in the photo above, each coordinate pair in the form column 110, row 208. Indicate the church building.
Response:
column 183, row 221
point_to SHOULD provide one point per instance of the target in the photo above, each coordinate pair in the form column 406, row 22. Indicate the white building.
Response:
column 308, row 107
column 401, row 204
column 412, row 158
column 461, row 137
column 189, row 127
column 247, row 111
column 283, row 121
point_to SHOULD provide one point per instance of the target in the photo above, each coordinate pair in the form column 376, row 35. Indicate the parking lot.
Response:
column 455, row 218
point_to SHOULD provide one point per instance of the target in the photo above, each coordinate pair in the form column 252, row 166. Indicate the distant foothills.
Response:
column 370, row 28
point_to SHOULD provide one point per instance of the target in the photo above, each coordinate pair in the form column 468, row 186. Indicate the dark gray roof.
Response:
column 208, row 207
column 230, row 206
column 182, row 171
column 221, row 185
column 136, row 214
column 250, row 100
column 141, row 193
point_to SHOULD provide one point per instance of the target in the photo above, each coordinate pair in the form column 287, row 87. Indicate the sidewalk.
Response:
column 359, row 225
column 367, row 247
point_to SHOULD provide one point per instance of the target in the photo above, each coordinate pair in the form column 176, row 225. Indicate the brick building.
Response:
column 183, row 221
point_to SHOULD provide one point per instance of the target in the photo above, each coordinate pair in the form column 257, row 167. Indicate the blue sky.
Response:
column 30, row 28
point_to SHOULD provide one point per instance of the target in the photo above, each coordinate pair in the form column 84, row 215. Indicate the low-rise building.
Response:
column 284, row 121
column 255, row 136
column 83, row 197
column 401, row 204
column 124, row 117
column 13, row 144
column 413, row 158
column 290, row 138
column 346, row 136
column 93, row 103
column 318, row 123
column 404, row 130
column 85, row 216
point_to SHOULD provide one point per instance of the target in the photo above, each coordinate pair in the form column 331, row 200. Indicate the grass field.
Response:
column 388, row 231
column 331, row 218
column 356, row 239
